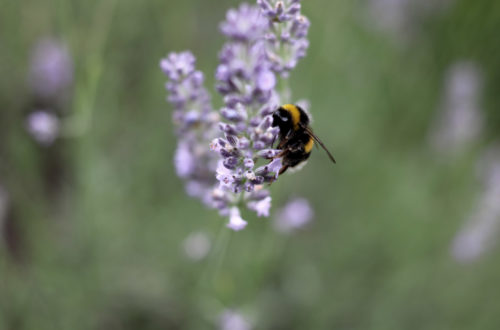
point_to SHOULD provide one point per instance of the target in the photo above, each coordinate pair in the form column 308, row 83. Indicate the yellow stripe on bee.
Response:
column 309, row 145
column 294, row 113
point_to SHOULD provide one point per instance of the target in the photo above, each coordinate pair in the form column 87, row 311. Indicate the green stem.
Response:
column 79, row 122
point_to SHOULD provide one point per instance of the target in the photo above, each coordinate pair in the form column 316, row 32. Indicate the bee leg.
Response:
column 283, row 169
column 281, row 154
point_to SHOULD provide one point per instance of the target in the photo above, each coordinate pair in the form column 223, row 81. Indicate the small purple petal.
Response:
column 236, row 223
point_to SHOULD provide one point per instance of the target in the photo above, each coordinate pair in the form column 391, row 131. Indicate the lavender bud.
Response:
column 248, row 186
column 257, row 180
column 225, row 153
column 268, row 153
column 228, row 128
column 293, row 9
column 243, row 143
column 248, row 163
column 230, row 162
column 257, row 145
column 255, row 121
column 232, row 139
column 265, row 123
column 266, row 81
column 258, row 195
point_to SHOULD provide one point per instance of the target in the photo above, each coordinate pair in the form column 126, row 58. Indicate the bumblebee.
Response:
column 296, row 138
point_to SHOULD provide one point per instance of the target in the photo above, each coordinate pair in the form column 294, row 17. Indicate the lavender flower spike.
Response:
column 195, row 123
column 246, row 78
column 252, row 60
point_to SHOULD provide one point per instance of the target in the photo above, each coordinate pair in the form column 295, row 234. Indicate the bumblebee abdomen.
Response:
column 309, row 145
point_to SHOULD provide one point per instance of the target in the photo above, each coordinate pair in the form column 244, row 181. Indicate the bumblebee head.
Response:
column 288, row 117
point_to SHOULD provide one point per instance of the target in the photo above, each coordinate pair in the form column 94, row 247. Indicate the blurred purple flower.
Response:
column 400, row 18
column 480, row 229
column 197, row 246
column 232, row 320
column 44, row 126
column 460, row 121
column 51, row 71
column 296, row 214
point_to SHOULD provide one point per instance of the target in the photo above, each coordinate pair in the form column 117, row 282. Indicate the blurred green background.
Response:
column 94, row 231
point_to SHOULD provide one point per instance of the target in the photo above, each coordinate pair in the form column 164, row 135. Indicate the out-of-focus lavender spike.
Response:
column 51, row 71
column 296, row 214
column 482, row 226
column 401, row 18
column 459, row 121
column 44, row 126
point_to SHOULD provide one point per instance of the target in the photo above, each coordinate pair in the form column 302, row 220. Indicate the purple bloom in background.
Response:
column 44, row 126
column 460, row 120
column 263, row 45
column 232, row 320
column 296, row 214
column 50, row 79
column 197, row 246
column 400, row 18
column 51, row 71
column 482, row 226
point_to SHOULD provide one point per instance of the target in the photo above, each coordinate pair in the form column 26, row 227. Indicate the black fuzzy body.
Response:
column 294, row 140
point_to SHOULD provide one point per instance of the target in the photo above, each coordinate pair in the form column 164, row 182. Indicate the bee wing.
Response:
column 310, row 132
